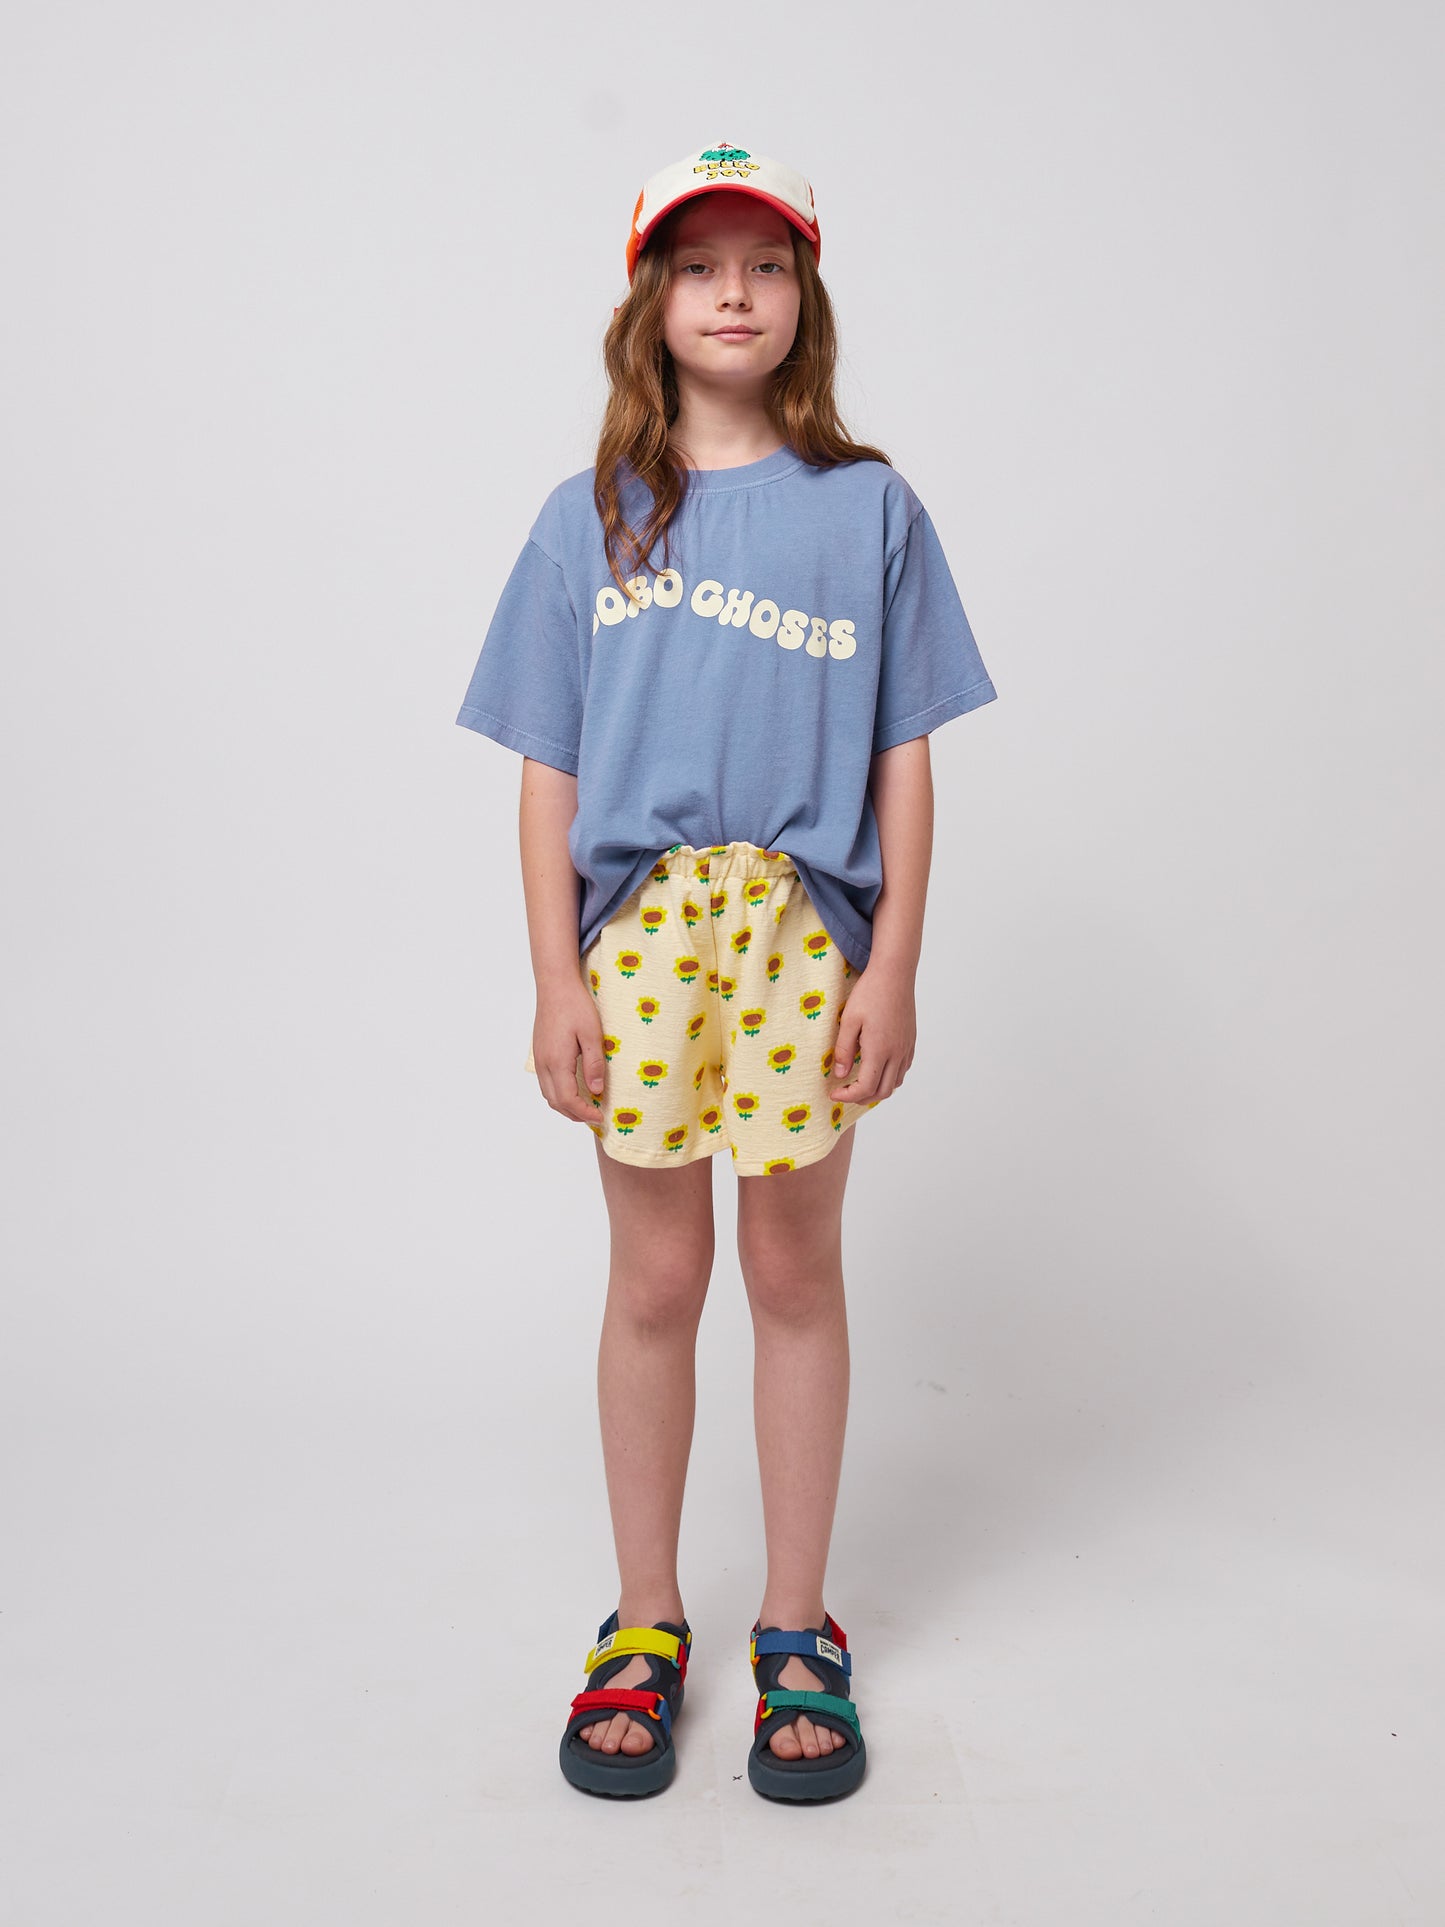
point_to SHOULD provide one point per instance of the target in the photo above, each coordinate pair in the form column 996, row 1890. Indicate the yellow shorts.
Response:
column 720, row 994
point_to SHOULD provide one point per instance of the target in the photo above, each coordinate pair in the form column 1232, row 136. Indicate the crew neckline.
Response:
column 782, row 461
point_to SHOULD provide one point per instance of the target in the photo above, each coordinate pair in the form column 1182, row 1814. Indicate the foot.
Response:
column 798, row 1738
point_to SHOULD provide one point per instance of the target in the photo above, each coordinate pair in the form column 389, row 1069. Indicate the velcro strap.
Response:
column 778, row 1697
column 622, row 1699
column 635, row 1639
column 809, row 1645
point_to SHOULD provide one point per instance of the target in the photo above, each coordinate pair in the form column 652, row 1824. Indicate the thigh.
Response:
column 660, row 1105
column 799, row 1213
column 784, row 1001
column 660, row 1216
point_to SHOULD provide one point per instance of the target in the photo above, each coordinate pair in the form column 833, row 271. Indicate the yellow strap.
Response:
column 633, row 1639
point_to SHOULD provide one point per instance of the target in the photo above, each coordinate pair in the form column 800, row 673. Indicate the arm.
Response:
column 567, row 1025
column 881, row 1014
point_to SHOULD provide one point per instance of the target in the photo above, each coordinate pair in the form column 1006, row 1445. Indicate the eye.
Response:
column 777, row 266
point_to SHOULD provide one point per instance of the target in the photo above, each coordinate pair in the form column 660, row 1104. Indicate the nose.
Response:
column 732, row 288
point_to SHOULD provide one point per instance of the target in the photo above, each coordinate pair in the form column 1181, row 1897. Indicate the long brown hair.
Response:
column 642, row 402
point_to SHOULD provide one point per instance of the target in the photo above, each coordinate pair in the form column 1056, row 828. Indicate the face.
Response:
column 732, row 295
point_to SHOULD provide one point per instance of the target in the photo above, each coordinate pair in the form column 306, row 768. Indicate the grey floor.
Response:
column 292, row 1647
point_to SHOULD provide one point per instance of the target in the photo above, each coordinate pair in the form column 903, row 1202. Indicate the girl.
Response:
column 720, row 655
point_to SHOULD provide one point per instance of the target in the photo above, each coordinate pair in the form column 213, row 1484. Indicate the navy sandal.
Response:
column 825, row 1650
column 628, row 1775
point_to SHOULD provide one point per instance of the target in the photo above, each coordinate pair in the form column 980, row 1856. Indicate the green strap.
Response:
column 780, row 1696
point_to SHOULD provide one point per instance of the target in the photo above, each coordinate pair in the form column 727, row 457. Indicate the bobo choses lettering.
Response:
column 803, row 620
column 792, row 627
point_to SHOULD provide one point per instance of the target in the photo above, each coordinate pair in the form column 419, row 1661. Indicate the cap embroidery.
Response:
column 725, row 162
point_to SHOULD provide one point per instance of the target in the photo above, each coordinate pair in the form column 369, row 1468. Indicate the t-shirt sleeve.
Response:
column 931, row 669
column 527, row 688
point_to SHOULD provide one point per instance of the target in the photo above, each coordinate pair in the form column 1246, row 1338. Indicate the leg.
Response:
column 661, row 1262
column 790, row 1247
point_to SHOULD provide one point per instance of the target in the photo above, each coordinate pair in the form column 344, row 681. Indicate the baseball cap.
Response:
column 722, row 166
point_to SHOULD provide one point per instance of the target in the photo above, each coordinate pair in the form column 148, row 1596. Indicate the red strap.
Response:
column 621, row 1699
column 838, row 1636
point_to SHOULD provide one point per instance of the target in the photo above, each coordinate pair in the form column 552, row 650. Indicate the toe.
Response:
column 784, row 1743
column 807, row 1736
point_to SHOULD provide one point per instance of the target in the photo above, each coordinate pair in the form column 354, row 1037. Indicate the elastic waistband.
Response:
column 724, row 859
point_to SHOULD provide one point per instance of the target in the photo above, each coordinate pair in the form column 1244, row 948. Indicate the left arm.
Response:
column 881, row 1014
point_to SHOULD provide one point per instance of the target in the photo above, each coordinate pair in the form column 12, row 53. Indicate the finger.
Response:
column 845, row 1051
column 860, row 1091
column 886, row 1081
column 594, row 1066
column 559, row 1087
column 846, row 1073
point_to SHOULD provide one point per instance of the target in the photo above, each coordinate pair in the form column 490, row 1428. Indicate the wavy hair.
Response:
column 642, row 401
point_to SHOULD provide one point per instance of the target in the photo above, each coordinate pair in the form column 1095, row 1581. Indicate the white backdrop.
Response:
column 304, row 1524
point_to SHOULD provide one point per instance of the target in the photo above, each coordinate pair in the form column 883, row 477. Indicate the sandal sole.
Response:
column 807, row 1781
column 644, row 1774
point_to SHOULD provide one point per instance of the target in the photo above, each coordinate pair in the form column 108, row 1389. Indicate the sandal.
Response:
column 622, row 1774
column 825, row 1649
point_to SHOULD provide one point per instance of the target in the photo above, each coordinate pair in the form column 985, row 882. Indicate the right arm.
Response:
column 568, row 1025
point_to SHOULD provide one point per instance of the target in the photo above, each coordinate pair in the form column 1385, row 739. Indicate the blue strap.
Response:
column 807, row 1646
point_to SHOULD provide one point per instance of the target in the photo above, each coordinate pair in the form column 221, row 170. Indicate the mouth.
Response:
column 733, row 334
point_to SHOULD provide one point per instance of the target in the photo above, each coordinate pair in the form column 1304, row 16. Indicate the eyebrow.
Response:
column 753, row 242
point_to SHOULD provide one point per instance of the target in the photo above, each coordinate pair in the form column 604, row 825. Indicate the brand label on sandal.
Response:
column 605, row 1645
column 827, row 1650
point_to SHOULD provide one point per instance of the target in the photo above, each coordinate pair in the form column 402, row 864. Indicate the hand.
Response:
column 568, row 1027
column 880, row 1017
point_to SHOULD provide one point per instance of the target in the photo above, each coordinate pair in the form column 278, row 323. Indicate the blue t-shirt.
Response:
column 805, row 620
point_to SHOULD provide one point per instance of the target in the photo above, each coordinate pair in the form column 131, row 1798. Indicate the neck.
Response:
column 721, row 430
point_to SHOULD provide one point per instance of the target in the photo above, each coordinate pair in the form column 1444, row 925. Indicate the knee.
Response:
column 661, row 1291
column 791, row 1287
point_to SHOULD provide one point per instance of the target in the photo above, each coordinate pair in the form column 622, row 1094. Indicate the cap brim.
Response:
column 638, row 240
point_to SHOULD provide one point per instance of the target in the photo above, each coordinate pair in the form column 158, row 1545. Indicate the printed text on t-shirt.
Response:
column 732, row 608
